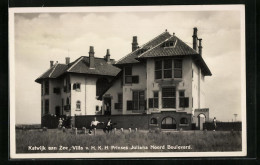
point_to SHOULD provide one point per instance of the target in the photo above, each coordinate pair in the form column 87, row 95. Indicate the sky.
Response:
column 41, row 37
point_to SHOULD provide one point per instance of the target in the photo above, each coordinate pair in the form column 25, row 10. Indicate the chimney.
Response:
column 200, row 46
column 91, row 57
column 107, row 57
column 195, row 30
column 134, row 43
column 51, row 64
column 67, row 59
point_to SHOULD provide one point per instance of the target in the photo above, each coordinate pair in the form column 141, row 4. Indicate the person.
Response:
column 215, row 123
column 108, row 126
column 93, row 125
column 60, row 123
column 108, row 109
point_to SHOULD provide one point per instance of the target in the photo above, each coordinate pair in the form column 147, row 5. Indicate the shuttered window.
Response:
column 120, row 101
column 183, row 101
column 153, row 102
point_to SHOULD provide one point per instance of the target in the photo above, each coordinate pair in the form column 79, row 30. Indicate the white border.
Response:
column 12, row 11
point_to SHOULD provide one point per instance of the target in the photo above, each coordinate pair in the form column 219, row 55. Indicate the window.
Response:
column 46, row 84
column 46, row 105
column 68, row 101
column 184, row 101
column 167, row 69
column 184, row 120
column 56, row 90
column 78, row 105
column 164, row 69
column 158, row 69
column 153, row 102
column 177, row 68
column 138, row 102
column 129, row 78
column 153, row 121
column 67, row 85
column 120, row 101
column 67, row 106
column 169, row 97
column 97, row 108
column 168, row 44
column 76, row 86
column 128, row 75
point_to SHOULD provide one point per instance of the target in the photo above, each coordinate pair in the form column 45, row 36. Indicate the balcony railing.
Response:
column 67, row 107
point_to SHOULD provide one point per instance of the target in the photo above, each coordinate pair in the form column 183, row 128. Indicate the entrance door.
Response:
column 201, row 120
column 168, row 123
column 107, row 106
column 57, row 111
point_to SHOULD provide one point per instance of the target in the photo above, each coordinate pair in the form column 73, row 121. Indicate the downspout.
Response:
column 199, row 88
column 85, row 97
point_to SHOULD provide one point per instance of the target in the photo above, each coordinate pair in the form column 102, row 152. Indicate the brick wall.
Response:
column 141, row 121
column 224, row 126
column 50, row 121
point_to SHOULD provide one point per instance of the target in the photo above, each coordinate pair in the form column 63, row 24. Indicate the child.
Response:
column 108, row 126
column 60, row 123
column 93, row 125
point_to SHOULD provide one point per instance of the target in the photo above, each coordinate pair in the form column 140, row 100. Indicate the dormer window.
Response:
column 168, row 44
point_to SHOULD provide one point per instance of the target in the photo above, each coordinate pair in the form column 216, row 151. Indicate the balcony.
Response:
column 67, row 107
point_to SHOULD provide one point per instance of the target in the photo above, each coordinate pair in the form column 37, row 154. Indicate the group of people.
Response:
column 94, row 124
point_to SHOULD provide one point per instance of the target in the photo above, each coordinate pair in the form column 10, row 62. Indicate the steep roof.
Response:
column 81, row 65
column 55, row 71
column 101, row 67
column 131, row 57
column 155, row 48
column 179, row 48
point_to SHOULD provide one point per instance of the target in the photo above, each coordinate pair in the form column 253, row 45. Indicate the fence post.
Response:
column 122, row 129
column 85, row 130
column 135, row 129
column 130, row 130
column 63, row 129
column 95, row 131
column 115, row 130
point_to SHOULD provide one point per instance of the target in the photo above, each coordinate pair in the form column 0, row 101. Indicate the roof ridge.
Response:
column 155, row 46
column 53, row 69
column 141, row 46
column 75, row 63
column 154, row 39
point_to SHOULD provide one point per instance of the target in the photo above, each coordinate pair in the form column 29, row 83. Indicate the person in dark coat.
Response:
column 108, row 126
